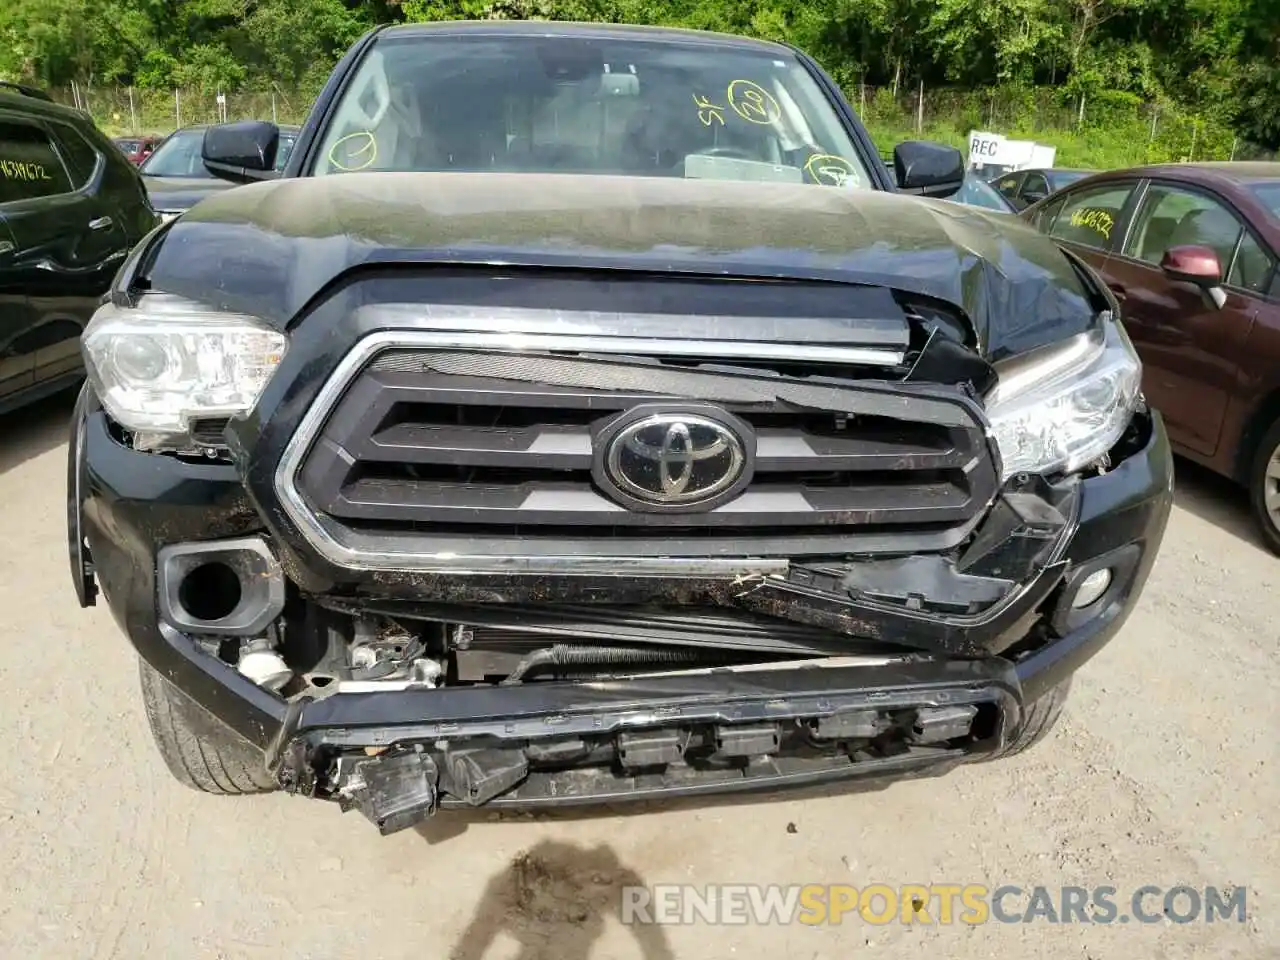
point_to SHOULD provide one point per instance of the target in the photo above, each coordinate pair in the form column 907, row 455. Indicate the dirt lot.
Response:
column 1165, row 771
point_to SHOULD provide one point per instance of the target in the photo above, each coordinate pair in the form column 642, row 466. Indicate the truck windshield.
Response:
column 579, row 105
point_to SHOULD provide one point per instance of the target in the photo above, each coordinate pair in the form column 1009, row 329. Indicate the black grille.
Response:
column 468, row 446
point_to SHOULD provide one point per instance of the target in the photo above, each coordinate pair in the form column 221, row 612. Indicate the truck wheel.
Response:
column 200, row 750
column 1264, row 487
column 1039, row 717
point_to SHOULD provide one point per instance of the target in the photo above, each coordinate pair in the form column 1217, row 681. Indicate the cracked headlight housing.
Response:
column 168, row 361
column 1058, row 409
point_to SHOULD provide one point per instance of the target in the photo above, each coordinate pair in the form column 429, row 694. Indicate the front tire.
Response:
column 200, row 751
column 1264, row 487
column 1039, row 717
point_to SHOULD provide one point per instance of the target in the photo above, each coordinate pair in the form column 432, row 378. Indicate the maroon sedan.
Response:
column 1190, row 252
column 137, row 149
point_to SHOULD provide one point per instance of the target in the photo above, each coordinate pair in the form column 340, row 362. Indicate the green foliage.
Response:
column 201, row 43
column 209, row 66
column 1119, row 129
column 1212, row 65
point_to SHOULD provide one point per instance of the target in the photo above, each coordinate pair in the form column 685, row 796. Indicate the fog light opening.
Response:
column 210, row 591
column 220, row 588
column 1092, row 588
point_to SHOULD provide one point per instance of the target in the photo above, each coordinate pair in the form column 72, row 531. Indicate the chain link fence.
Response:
column 122, row 111
column 1109, row 130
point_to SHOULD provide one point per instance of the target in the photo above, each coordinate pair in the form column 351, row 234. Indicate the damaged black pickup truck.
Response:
column 586, row 414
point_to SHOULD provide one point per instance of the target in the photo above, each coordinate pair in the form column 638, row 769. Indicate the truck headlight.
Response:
column 168, row 361
column 1063, row 407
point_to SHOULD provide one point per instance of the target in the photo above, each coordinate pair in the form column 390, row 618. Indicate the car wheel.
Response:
column 1264, row 487
column 199, row 749
column 1039, row 717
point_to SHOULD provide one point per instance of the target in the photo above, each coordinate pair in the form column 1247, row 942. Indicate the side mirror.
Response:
column 241, row 152
column 928, row 169
column 1196, row 265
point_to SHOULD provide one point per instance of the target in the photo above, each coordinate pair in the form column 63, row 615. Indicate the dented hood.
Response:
column 267, row 249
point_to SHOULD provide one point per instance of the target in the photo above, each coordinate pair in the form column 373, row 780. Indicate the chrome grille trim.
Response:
column 322, row 540
column 344, row 549
column 515, row 342
column 877, row 341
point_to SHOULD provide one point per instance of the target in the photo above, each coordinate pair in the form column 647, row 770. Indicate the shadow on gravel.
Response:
column 1216, row 500
column 553, row 899
column 30, row 431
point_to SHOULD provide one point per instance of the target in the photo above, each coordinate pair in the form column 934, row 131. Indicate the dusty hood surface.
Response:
column 268, row 248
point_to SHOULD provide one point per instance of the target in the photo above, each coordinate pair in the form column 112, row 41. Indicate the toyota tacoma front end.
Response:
column 426, row 489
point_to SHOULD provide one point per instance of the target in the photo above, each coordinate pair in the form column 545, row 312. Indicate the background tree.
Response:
column 1216, row 60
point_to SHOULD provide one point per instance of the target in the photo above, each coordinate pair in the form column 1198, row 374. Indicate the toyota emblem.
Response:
column 665, row 459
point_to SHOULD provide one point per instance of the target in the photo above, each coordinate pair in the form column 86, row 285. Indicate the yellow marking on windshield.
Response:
column 708, row 112
column 827, row 168
column 369, row 148
column 753, row 102
column 1099, row 221
column 20, row 170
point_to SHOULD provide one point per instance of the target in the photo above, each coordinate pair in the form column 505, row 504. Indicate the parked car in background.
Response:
column 976, row 192
column 588, row 414
column 1190, row 252
column 175, row 175
column 1025, row 187
column 71, row 207
column 137, row 149
column 27, row 91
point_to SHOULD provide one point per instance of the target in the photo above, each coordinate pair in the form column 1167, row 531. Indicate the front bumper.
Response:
column 570, row 744
column 124, row 506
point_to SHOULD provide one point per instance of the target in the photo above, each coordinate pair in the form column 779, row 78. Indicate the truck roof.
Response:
column 591, row 31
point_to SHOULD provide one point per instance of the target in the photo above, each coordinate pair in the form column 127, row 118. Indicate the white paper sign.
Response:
column 994, row 151
column 985, row 147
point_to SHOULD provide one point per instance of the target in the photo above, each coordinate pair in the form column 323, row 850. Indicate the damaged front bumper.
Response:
column 875, row 668
column 686, row 734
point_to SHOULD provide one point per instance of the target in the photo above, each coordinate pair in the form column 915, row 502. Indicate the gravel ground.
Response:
column 1164, row 771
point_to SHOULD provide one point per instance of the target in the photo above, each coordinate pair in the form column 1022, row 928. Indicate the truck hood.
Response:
column 267, row 249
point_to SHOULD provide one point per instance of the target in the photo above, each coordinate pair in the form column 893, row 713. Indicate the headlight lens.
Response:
column 1062, row 408
column 169, row 361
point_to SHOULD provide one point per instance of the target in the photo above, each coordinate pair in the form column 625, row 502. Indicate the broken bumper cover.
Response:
column 126, row 505
column 717, row 731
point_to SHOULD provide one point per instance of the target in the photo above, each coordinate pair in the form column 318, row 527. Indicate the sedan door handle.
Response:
column 100, row 224
column 1118, row 291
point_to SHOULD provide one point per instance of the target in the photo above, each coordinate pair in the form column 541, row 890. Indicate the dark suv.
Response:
column 71, row 206
column 586, row 414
